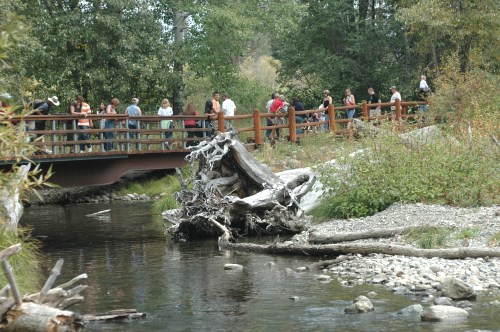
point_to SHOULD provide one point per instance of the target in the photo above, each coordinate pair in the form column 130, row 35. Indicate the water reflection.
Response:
column 184, row 287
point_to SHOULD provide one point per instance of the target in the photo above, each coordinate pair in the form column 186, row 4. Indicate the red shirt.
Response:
column 277, row 104
column 190, row 122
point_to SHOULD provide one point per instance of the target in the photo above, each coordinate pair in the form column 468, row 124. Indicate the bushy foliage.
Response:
column 385, row 171
column 24, row 263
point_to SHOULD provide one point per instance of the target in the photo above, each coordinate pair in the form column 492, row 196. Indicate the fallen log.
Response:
column 363, row 249
column 226, row 242
column 322, row 238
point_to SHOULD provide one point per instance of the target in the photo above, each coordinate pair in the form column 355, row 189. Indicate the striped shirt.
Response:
column 85, row 109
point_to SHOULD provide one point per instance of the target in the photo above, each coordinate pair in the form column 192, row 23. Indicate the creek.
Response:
column 184, row 287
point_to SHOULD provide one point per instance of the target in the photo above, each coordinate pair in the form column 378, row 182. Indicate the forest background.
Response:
column 184, row 50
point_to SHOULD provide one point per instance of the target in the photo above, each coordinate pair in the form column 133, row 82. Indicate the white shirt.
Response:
column 395, row 96
column 269, row 104
column 165, row 111
column 228, row 106
column 424, row 86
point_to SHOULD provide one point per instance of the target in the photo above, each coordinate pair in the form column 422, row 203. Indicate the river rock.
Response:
column 235, row 267
column 414, row 310
column 457, row 289
column 371, row 294
column 442, row 300
column 294, row 298
column 301, row 269
column 323, row 278
column 436, row 268
column 438, row 313
column 271, row 264
column 361, row 304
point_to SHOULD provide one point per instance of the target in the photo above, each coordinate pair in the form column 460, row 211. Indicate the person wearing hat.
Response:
column 43, row 108
column 395, row 95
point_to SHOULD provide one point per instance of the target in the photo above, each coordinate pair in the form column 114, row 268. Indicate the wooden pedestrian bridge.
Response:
column 147, row 147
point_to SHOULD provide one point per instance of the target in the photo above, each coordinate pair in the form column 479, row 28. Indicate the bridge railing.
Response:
column 155, row 134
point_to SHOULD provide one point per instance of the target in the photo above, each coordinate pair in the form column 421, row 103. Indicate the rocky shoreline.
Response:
column 442, row 282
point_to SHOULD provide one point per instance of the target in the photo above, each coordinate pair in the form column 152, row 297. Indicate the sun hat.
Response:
column 393, row 87
column 54, row 100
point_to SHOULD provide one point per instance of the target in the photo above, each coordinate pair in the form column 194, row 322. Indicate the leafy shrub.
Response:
column 385, row 171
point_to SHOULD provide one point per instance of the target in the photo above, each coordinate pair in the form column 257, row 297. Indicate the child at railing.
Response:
column 166, row 110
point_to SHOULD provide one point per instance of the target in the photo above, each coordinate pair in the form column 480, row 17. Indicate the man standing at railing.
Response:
column 43, row 108
column 133, row 110
column 229, row 108
column 375, row 111
column 83, row 123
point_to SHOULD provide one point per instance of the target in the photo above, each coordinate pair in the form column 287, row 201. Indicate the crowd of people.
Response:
column 83, row 123
column 213, row 107
column 278, row 103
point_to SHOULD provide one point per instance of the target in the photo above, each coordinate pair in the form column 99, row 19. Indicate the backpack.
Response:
column 34, row 104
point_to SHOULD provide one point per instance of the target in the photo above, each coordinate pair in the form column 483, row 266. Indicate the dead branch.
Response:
column 322, row 238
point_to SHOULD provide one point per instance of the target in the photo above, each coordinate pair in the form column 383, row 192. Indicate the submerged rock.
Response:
column 414, row 310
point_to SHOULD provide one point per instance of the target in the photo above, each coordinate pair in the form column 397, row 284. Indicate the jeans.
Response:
column 299, row 120
column 269, row 131
column 83, row 136
column 132, row 135
column 350, row 113
column 109, row 124
column 326, row 125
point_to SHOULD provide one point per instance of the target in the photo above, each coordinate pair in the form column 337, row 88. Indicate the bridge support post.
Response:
column 397, row 104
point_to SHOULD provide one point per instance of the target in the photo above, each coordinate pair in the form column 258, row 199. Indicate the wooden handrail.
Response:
column 64, row 133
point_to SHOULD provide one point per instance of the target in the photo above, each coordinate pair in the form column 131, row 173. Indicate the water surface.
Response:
column 184, row 287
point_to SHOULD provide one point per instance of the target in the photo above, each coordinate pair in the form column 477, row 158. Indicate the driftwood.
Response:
column 114, row 315
column 322, row 238
column 231, row 187
column 226, row 242
column 42, row 311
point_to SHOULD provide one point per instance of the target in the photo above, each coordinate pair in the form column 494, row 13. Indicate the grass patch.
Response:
column 430, row 238
column 25, row 264
column 312, row 150
column 384, row 171
column 467, row 234
column 165, row 187
column 494, row 240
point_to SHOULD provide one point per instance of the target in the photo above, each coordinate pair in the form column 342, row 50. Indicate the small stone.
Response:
column 289, row 272
column 371, row 295
column 436, row 268
column 294, row 298
column 442, row 301
column 361, row 304
column 379, row 279
column 301, row 269
column 399, row 273
column 344, row 283
column 271, row 264
column 323, row 278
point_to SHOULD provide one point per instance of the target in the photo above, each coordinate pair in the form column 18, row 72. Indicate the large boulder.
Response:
column 457, row 289
column 438, row 313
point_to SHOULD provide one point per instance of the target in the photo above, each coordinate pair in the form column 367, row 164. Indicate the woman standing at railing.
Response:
column 190, row 123
column 349, row 100
column 110, row 124
column 166, row 110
